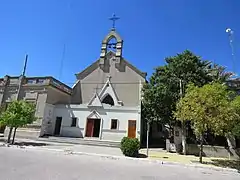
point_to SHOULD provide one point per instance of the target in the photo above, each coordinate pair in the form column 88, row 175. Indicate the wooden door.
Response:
column 58, row 126
column 90, row 128
column 131, row 128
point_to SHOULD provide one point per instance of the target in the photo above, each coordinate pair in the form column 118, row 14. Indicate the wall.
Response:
column 124, row 79
column 1, row 96
column 56, row 96
column 47, row 124
column 212, row 151
column 107, row 113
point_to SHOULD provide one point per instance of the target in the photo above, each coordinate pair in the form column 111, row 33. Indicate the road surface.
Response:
column 34, row 164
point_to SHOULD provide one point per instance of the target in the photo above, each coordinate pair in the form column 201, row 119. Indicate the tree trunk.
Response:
column 14, row 134
column 148, row 128
column 184, row 143
column 9, row 135
column 201, row 149
column 231, row 141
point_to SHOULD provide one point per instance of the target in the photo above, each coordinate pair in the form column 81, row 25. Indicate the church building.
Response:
column 106, row 98
column 104, row 103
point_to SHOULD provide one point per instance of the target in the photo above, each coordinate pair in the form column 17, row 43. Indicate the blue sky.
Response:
column 151, row 29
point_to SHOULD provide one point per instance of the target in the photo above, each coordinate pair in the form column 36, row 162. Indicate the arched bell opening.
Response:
column 112, row 44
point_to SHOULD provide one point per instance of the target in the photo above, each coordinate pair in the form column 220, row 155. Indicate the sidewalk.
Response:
column 111, row 151
column 211, row 162
column 155, row 155
column 67, row 147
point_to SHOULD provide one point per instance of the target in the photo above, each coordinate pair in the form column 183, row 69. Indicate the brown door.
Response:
column 90, row 127
column 132, row 128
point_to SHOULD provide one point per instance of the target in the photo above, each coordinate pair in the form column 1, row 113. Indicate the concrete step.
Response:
column 90, row 142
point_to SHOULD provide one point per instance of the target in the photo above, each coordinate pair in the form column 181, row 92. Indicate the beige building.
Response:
column 104, row 103
column 43, row 91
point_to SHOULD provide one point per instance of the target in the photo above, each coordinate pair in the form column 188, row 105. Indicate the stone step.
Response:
column 81, row 141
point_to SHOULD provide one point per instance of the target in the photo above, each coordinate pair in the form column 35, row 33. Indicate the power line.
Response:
column 62, row 59
column 68, row 10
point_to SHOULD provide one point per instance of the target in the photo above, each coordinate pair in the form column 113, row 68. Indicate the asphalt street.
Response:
column 36, row 164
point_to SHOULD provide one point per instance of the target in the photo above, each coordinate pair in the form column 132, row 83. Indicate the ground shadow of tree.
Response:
column 140, row 155
column 30, row 144
column 234, row 164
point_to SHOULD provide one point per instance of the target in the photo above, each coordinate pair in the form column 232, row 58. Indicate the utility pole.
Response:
column 21, row 78
column 148, row 128
column 230, row 36
column 183, row 124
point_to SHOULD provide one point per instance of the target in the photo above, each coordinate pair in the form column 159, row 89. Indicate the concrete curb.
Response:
column 127, row 158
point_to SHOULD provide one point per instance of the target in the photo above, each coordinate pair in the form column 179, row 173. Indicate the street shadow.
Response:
column 140, row 155
column 30, row 144
column 234, row 164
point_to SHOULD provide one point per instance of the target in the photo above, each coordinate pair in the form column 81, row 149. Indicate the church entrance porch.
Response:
column 93, row 127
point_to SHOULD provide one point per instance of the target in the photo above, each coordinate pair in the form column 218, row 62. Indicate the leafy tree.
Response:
column 162, row 92
column 218, row 73
column 18, row 114
column 235, row 129
column 2, row 125
column 208, row 108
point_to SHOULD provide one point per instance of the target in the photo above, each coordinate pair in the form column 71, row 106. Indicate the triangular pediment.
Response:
column 108, row 90
column 94, row 115
column 95, row 101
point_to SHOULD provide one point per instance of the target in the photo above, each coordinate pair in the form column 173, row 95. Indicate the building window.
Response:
column 108, row 100
column 114, row 124
column 40, row 81
column 74, row 122
column 30, row 81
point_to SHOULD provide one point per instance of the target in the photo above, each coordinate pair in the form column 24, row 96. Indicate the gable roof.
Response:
column 94, row 115
column 95, row 65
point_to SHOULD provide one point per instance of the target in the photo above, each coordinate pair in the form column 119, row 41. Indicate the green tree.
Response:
column 18, row 114
column 208, row 108
column 235, row 129
column 2, row 125
column 162, row 92
column 218, row 73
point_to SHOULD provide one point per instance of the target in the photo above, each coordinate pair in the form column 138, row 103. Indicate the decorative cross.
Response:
column 109, row 77
column 114, row 18
column 96, row 89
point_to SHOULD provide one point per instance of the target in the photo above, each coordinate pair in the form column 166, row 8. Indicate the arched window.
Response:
column 108, row 100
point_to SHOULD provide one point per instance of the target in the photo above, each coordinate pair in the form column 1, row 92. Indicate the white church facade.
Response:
column 105, row 101
column 106, row 98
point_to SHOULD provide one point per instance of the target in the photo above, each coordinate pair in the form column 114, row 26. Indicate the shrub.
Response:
column 130, row 146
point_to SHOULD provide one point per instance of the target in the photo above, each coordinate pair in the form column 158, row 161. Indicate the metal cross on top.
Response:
column 114, row 18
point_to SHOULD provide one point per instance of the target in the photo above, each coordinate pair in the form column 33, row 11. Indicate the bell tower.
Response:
column 112, row 42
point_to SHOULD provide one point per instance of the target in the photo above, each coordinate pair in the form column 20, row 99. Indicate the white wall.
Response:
column 48, row 122
column 81, row 112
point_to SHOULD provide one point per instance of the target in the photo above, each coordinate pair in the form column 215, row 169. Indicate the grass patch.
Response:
column 190, row 159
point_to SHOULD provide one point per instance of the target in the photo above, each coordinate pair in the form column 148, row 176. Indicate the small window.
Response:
column 74, row 122
column 30, row 81
column 114, row 124
column 40, row 81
